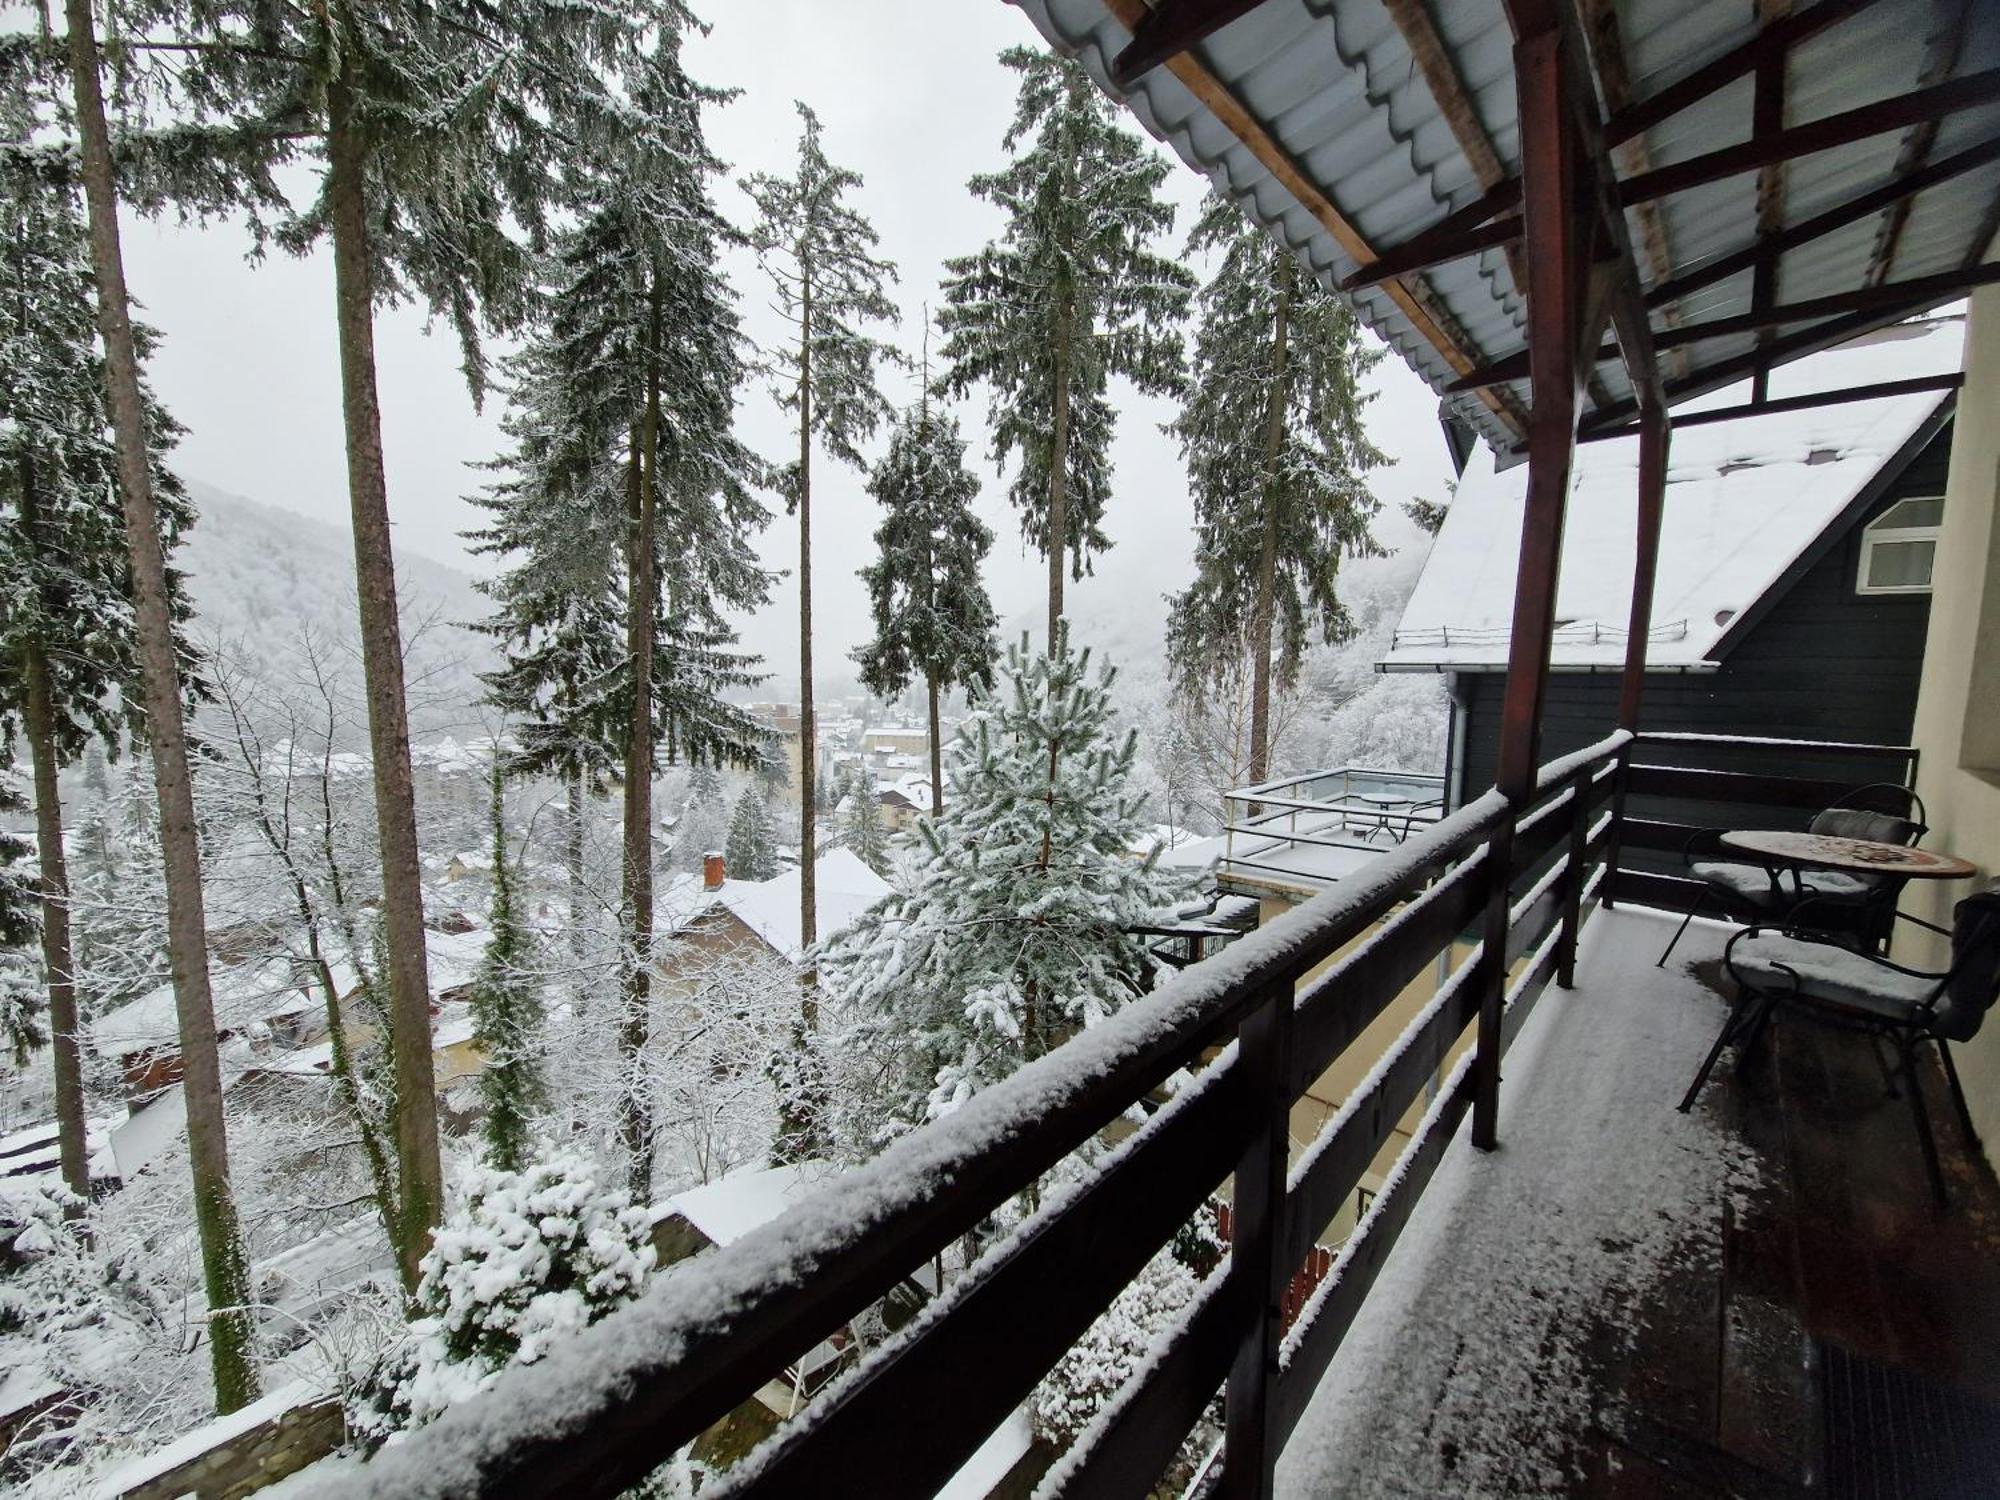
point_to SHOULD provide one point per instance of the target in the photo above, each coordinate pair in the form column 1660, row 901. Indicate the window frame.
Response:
column 1875, row 534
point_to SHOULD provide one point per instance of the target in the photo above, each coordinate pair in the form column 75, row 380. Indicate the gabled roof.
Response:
column 844, row 888
column 1746, row 500
column 1347, row 127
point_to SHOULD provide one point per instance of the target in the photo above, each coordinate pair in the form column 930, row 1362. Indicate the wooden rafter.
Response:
column 1947, row 45
column 1879, row 390
column 1767, row 117
column 1431, row 322
column 1170, row 28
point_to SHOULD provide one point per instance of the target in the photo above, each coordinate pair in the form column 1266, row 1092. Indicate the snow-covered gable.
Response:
column 243, row 995
column 1745, row 499
column 844, row 889
column 730, row 1207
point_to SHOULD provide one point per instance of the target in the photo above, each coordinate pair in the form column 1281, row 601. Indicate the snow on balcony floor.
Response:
column 1467, row 1372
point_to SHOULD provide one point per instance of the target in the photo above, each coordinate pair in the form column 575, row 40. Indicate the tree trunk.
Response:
column 419, row 1174
column 1059, row 475
column 58, row 961
column 642, row 503
column 224, row 1275
column 937, row 749
column 579, row 894
column 808, row 740
column 1267, row 558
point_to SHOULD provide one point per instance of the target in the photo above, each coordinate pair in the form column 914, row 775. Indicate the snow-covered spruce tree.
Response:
column 1281, row 358
column 1015, row 931
column 933, row 620
column 24, row 1023
column 861, row 826
column 225, row 1276
column 749, row 854
column 507, row 1015
column 626, row 431
column 440, row 130
column 529, row 1258
column 703, row 826
column 1068, row 296
column 819, row 253
column 68, row 674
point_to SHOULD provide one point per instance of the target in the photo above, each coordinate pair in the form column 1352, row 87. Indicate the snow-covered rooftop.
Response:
column 730, row 1207
column 243, row 994
column 1745, row 498
column 844, row 888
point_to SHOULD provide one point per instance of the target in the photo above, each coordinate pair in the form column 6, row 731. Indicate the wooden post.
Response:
column 1257, row 1251
column 1653, row 436
column 1558, row 258
column 1574, row 878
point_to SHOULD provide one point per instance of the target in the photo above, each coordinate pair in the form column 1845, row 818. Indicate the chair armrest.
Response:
column 1729, row 959
column 1701, row 843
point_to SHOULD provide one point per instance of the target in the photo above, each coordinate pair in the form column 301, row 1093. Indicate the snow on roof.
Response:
column 730, row 1207
column 1745, row 498
column 149, row 1132
column 243, row 994
column 844, row 889
column 199, row 1440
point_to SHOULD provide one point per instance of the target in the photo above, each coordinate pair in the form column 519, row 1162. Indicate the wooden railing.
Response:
column 1281, row 1004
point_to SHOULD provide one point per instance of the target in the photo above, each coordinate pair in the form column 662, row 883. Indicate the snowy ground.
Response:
column 1465, row 1373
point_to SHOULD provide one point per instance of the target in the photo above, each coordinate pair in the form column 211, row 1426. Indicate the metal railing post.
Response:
column 1257, row 1251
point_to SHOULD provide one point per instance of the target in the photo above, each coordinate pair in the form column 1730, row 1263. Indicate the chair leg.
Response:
column 1908, row 1048
column 1958, row 1095
column 1741, row 1016
column 1700, row 901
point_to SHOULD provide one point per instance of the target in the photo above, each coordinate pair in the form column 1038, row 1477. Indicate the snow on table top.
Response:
column 1744, row 499
column 1599, row 1186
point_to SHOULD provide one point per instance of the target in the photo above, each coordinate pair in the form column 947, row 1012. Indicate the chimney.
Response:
column 712, row 871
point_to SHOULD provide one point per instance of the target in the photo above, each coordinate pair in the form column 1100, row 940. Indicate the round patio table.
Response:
column 1823, row 851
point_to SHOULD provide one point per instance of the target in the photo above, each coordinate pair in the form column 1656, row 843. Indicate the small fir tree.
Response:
column 507, row 1017
column 23, row 1012
column 1280, row 357
column 750, row 853
column 861, row 826
column 1069, row 295
column 933, row 620
column 529, row 1258
column 1016, row 930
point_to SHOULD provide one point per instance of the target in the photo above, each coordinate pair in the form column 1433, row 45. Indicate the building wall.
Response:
column 1824, row 663
column 1959, row 773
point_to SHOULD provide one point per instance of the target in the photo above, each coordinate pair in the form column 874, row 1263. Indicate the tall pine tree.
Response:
column 225, row 1274
column 819, row 253
column 933, row 620
column 1280, row 357
column 631, row 508
column 1016, row 931
column 749, row 853
column 68, row 670
column 1069, row 295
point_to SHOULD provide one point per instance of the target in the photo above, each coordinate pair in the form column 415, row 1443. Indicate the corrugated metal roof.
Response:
column 1335, row 85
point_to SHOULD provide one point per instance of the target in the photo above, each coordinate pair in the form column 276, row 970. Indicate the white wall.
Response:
column 1958, row 706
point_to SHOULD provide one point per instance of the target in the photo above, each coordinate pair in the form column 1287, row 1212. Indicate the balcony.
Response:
column 1618, row 1290
column 1294, row 837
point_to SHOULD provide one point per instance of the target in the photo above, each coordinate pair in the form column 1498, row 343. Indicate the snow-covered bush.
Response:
column 1099, row 1363
column 528, row 1258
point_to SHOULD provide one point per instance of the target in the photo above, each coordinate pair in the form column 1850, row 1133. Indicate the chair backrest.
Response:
column 1890, row 798
column 1859, row 823
column 1974, row 981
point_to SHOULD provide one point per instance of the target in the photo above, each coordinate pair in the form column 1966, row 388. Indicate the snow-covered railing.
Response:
column 606, row 1407
column 1273, row 828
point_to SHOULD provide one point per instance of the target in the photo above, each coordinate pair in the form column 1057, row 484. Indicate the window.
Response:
column 1899, row 546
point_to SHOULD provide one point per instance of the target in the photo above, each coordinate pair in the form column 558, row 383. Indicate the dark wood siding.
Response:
column 1823, row 663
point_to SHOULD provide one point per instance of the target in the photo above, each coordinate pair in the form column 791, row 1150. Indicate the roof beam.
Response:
column 1774, row 40
column 1944, row 55
column 1902, row 299
column 1837, row 217
column 1767, row 117
column 1881, row 389
column 1434, row 61
column 1823, row 134
column 1168, row 29
column 1451, row 238
column 1431, row 323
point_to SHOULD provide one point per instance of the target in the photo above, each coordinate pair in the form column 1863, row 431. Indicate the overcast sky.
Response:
column 911, row 97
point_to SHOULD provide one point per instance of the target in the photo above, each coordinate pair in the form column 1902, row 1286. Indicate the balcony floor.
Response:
column 1626, row 1301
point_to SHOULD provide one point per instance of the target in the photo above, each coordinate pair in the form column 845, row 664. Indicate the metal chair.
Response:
column 1788, row 972
column 1863, row 905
